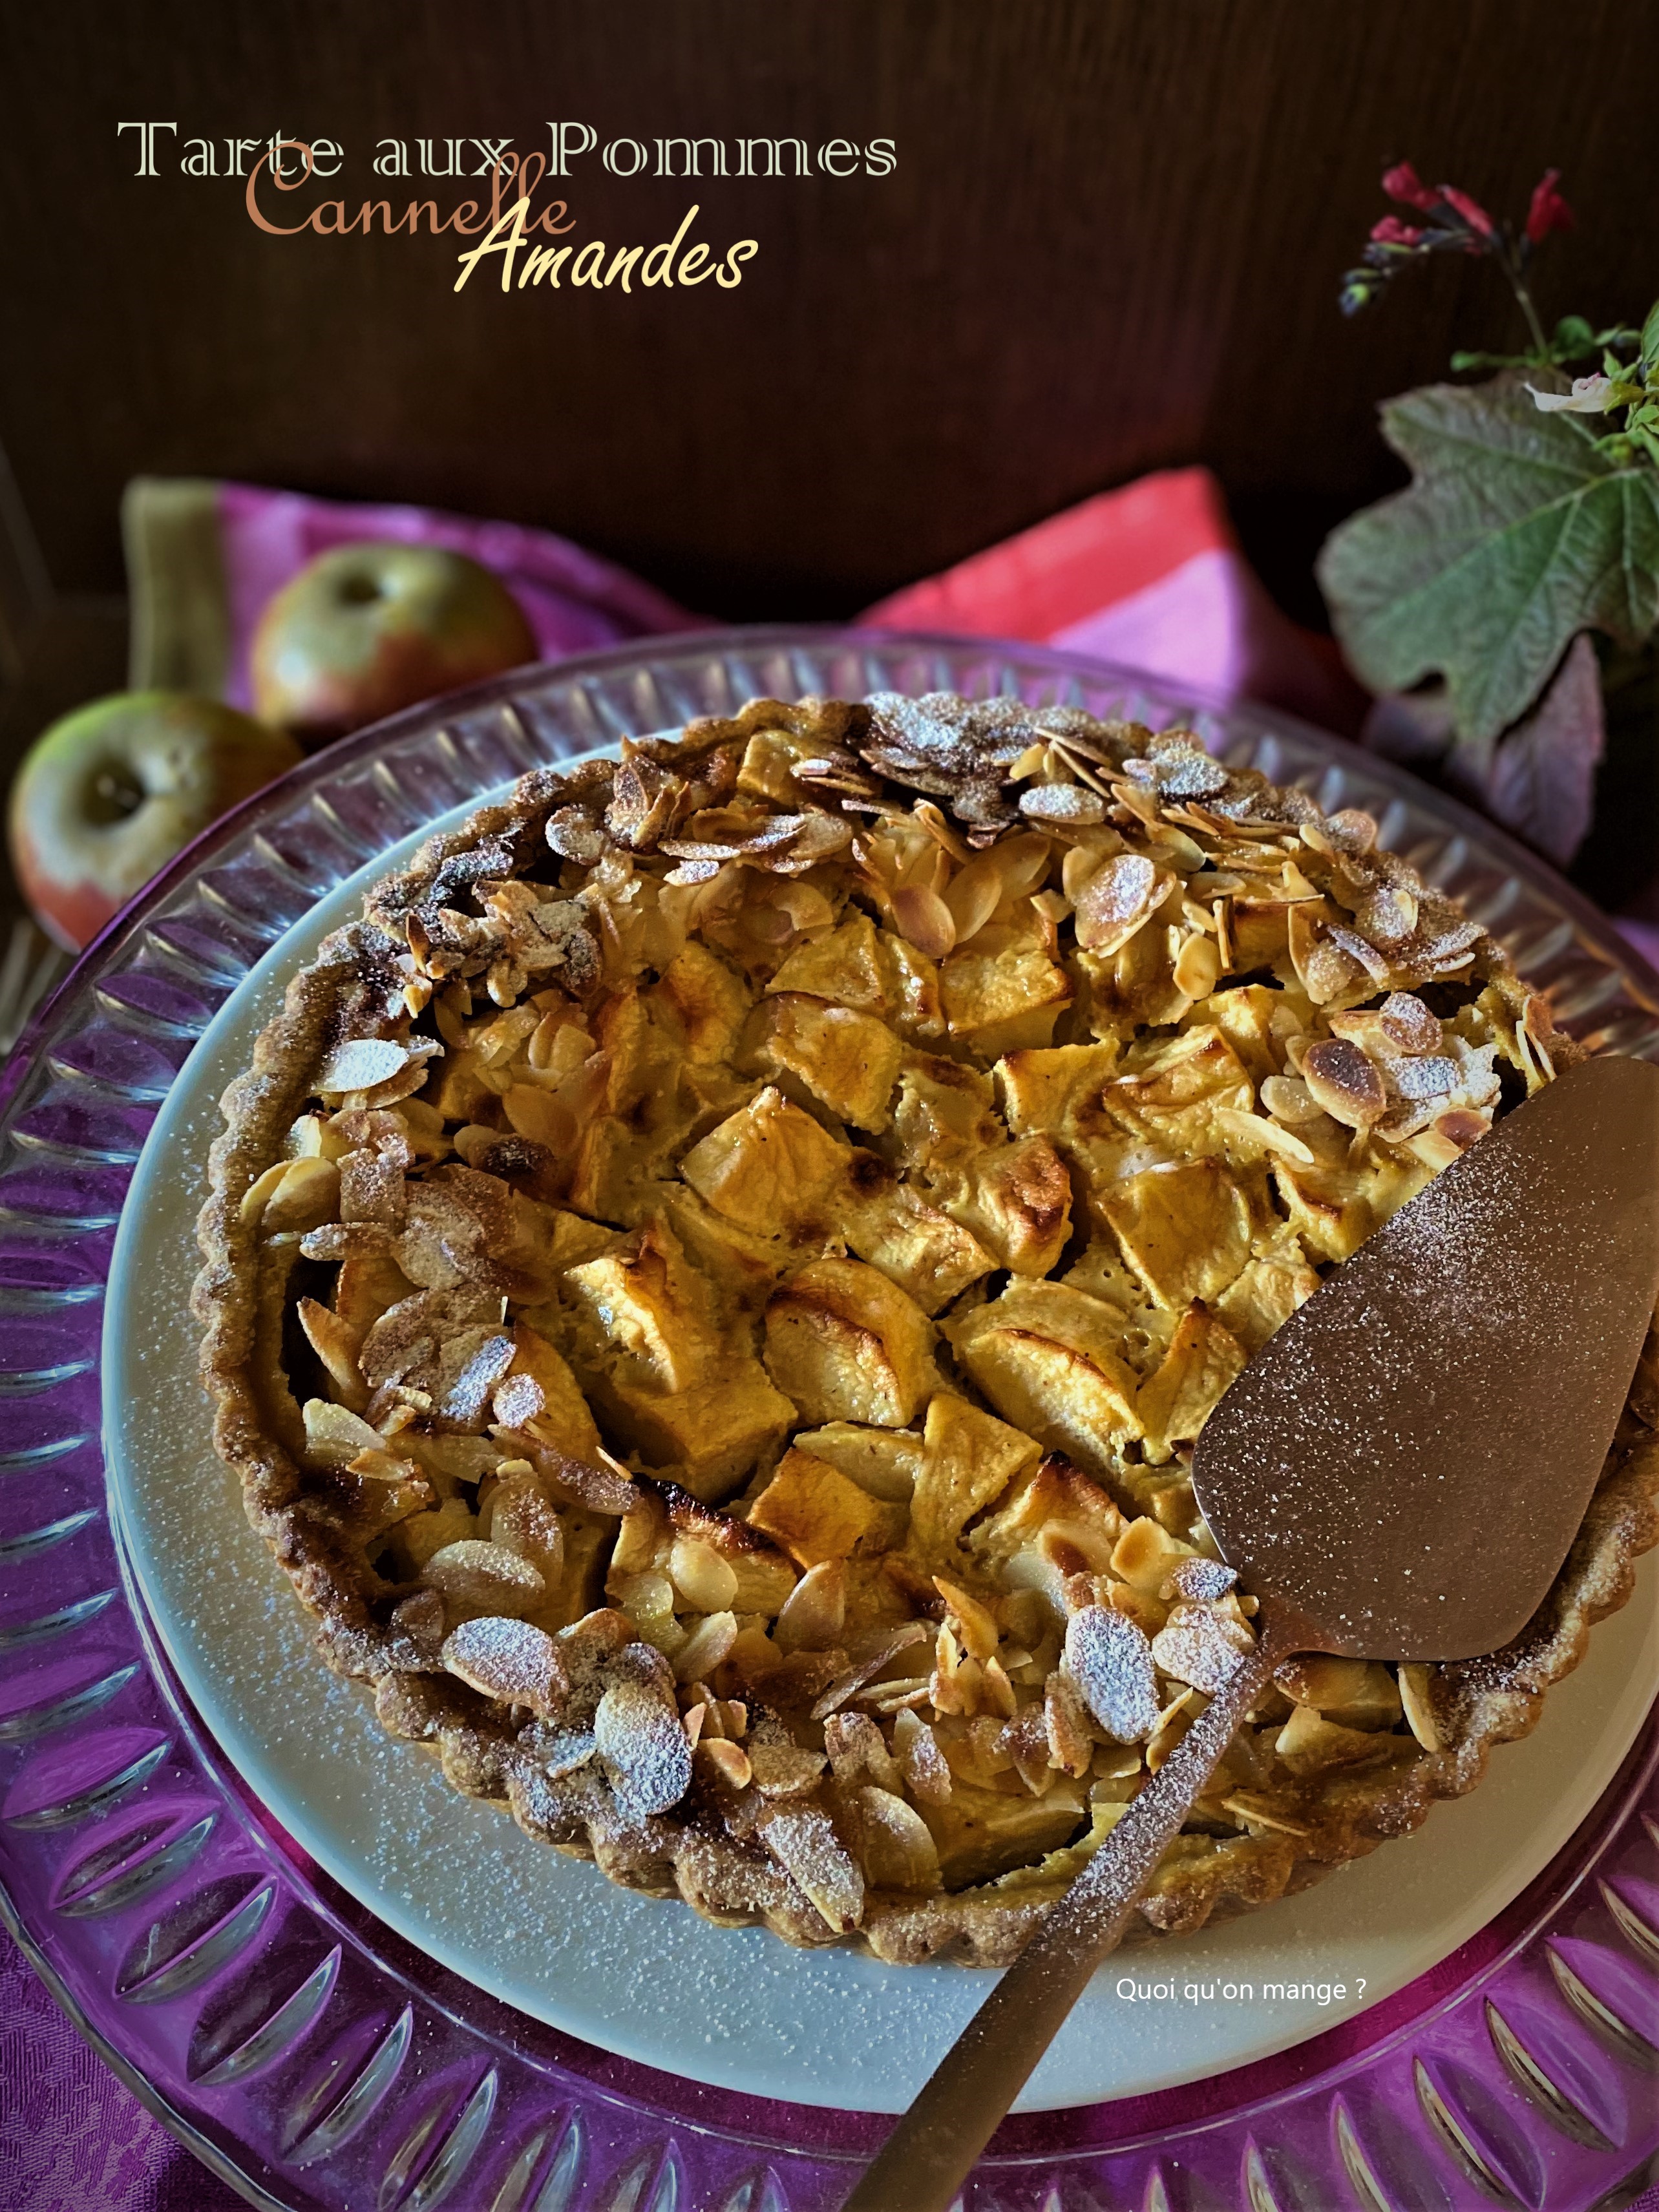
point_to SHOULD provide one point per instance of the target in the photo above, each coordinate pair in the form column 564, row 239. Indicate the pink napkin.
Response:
column 1150, row 576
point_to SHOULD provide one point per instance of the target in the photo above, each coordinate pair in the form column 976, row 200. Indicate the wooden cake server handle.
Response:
column 929, row 2154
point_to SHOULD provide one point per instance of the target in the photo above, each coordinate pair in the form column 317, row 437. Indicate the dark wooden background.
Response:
column 1112, row 241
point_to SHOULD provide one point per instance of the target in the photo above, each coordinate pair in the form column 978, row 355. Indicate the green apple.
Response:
column 106, row 796
column 368, row 629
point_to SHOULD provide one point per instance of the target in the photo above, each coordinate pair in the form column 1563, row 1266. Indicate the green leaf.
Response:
column 1515, row 534
column 1651, row 338
column 1573, row 338
column 1461, row 361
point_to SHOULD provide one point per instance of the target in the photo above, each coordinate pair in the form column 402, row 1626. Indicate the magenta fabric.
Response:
column 72, row 2138
column 573, row 601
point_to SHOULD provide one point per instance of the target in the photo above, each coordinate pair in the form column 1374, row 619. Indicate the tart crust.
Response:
column 855, row 1334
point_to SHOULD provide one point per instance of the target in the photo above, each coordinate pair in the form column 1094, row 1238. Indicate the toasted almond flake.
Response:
column 858, row 1752
column 839, row 1691
column 996, row 1691
column 505, row 1658
column 1415, row 1697
column 709, row 1643
column 259, row 1191
column 1080, row 864
column 360, row 1064
column 813, row 1616
column 927, row 1774
column 1200, row 1579
column 783, row 1770
column 727, row 1763
column 1116, row 900
column 974, row 894
column 1341, row 1080
column 488, row 1576
column 1352, row 830
column 1065, row 803
column 1197, row 967
column 1199, row 1645
column 975, row 1623
column 896, row 1697
column 808, row 1849
column 700, row 1576
column 296, row 1194
column 1173, row 1723
column 1253, row 1130
column 924, row 918
column 1081, row 766
column 336, row 1344
column 1070, row 1746
column 1289, row 1100
column 335, row 1435
column 898, row 1848
column 1109, row 1661
column 1295, row 885
column 1461, row 1127
column 1258, row 1812
column 934, row 823
column 638, row 1736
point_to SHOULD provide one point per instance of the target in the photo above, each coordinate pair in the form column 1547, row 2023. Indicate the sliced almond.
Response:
column 1067, row 804
column 977, row 1624
column 923, row 917
column 1198, row 967
column 785, row 1769
column 335, row 1435
column 814, row 1614
column 923, row 1764
column 361, row 1064
column 1116, row 900
column 335, row 1343
column 296, row 1194
column 484, row 1578
column 899, row 1850
column 638, row 1737
column 728, row 1763
column 700, row 1576
column 709, row 1642
column 1109, row 1661
column 1415, row 1697
column 913, row 1632
column 1340, row 1080
column 806, row 1846
column 505, row 1658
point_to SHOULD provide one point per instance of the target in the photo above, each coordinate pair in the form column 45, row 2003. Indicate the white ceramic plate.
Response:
column 734, row 2008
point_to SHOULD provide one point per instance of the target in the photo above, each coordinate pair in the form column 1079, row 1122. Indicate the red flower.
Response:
column 1392, row 231
column 1548, row 211
column 1403, row 183
column 1471, row 210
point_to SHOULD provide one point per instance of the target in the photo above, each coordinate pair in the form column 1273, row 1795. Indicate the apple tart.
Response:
column 712, row 1285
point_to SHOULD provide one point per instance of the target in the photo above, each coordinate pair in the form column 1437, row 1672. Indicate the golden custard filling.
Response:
column 721, row 1340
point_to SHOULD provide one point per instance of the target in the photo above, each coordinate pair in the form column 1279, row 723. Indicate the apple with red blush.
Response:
column 368, row 629
column 106, row 796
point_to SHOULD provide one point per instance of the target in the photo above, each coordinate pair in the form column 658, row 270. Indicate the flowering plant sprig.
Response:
column 1454, row 222
column 1468, row 602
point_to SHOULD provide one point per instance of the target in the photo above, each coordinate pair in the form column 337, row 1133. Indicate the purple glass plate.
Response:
column 319, row 2064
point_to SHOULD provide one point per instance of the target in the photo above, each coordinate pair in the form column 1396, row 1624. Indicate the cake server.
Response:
column 1399, row 1474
